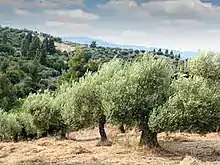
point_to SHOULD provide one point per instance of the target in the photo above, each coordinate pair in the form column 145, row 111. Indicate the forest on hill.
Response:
column 45, row 91
column 27, row 65
column 30, row 61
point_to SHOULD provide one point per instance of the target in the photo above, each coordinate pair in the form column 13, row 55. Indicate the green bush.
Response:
column 9, row 127
column 26, row 122
column 80, row 105
column 47, row 117
column 7, row 49
column 49, row 72
column 16, row 126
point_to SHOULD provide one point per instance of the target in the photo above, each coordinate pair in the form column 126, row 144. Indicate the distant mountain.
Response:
column 87, row 40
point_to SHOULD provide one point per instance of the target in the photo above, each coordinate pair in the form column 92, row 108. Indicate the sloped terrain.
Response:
column 178, row 149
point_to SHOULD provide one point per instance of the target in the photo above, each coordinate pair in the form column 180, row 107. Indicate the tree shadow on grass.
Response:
column 92, row 139
column 204, row 150
column 87, row 140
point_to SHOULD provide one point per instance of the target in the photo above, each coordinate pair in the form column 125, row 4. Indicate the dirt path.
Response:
column 82, row 151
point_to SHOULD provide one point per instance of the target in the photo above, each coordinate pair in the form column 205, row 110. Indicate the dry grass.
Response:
column 178, row 149
column 188, row 160
column 64, row 47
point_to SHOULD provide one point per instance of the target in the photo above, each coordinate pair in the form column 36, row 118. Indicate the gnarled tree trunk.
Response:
column 148, row 138
column 104, row 140
column 63, row 135
column 122, row 128
column 102, row 132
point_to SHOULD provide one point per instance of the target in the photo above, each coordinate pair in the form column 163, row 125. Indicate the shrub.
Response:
column 16, row 125
column 7, row 49
column 9, row 127
column 80, row 105
column 26, row 122
column 47, row 117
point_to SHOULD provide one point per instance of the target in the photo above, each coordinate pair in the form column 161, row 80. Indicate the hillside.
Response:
column 32, row 60
column 28, row 63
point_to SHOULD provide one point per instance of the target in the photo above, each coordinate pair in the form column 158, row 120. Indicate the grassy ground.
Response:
column 179, row 149
column 64, row 47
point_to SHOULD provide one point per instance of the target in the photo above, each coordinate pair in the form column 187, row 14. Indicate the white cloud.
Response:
column 68, row 2
column 166, row 38
column 75, row 29
column 172, row 9
column 182, row 9
column 159, row 39
column 77, row 14
column 22, row 12
column 42, row 4
column 124, row 9
column 66, row 29
column 183, row 24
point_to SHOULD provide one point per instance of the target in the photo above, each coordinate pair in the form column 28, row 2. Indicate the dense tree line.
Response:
column 27, row 64
column 30, row 62
column 108, row 53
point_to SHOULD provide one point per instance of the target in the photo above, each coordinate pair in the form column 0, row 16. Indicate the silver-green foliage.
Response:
column 11, row 125
column 47, row 116
column 137, row 88
column 207, row 65
column 81, row 102
column 193, row 107
column 79, row 105
column 26, row 121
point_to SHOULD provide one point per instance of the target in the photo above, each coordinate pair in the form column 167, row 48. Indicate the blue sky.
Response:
column 174, row 24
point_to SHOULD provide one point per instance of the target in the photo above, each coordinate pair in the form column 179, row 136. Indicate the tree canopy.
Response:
column 46, row 91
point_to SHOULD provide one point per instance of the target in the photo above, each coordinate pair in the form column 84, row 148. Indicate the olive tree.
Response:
column 16, row 125
column 46, row 116
column 28, row 128
column 193, row 107
column 79, row 105
column 207, row 65
column 134, row 91
column 103, row 76
column 81, row 102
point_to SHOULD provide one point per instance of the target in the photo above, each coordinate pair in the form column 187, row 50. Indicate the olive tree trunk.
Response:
column 63, row 135
column 122, row 128
column 102, row 132
column 104, row 140
column 148, row 138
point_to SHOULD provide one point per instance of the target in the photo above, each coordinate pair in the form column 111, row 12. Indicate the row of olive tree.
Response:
column 119, row 92
column 139, row 93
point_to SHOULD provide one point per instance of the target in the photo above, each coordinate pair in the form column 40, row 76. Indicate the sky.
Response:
column 174, row 24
